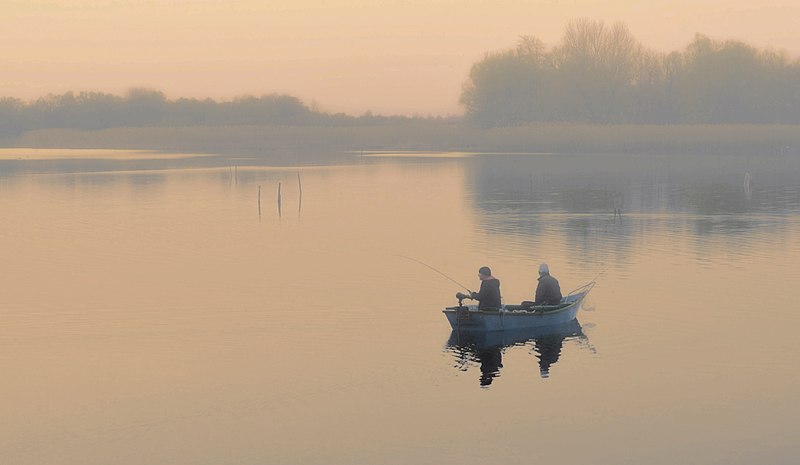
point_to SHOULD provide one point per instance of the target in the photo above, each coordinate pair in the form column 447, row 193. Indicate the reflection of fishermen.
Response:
column 487, row 348
column 549, row 350
column 548, row 292
column 491, row 360
column 489, row 295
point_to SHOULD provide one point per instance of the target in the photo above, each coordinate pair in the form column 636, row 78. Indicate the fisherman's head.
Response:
column 484, row 273
column 544, row 269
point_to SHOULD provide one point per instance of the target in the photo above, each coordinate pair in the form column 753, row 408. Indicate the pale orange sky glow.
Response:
column 408, row 57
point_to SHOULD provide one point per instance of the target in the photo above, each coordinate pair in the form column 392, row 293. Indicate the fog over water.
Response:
column 151, row 315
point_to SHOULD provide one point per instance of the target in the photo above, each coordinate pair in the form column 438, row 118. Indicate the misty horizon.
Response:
column 324, row 107
column 402, row 58
column 597, row 73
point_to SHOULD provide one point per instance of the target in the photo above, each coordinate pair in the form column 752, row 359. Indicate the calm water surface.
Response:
column 150, row 313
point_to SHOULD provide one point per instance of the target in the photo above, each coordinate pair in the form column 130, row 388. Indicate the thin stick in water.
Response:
column 300, row 186
column 279, row 199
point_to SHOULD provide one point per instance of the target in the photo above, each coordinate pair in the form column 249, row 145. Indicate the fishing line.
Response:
column 432, row 268
column 599, row 274
column 587, row 285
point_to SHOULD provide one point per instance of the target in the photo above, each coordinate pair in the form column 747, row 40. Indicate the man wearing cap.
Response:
column 548, row 292
column 489, row 295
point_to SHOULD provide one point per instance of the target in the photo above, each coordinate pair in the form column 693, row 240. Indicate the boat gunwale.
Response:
column 520, row 312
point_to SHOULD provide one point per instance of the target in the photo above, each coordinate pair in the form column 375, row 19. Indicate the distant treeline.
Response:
column 150, row 108
column 601, row 74
column 597, row 75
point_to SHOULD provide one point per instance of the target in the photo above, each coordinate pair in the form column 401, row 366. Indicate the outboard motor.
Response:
column 462, row 311
column 461, row 298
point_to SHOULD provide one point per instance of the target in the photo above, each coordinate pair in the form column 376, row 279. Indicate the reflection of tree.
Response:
column 485, row 349
column 730, row 197
column 533, row 198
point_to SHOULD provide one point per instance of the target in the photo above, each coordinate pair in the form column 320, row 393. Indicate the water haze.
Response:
column 154, row 312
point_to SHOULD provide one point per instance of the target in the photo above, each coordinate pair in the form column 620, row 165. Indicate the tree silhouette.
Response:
column 602, row 74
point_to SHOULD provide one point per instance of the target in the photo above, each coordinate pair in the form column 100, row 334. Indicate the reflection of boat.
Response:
column 486, row 347
column 468, row 317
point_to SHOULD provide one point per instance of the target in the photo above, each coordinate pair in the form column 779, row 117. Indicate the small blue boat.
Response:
column 468, row 317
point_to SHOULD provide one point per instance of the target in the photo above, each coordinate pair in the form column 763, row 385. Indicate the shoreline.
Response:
column 299, row 142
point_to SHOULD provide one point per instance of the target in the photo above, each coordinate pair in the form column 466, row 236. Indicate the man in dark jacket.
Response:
column 548, row 292
column 489, row 295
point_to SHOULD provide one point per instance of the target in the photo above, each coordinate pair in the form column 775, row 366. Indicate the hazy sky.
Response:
column 390, row 56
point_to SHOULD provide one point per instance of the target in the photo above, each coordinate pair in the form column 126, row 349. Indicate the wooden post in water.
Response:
column 259, row 201
column 617, row 202
column 279, row 199
column 300, row 186
column 531, row 187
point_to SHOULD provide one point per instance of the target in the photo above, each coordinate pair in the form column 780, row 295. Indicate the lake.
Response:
column 166, row 310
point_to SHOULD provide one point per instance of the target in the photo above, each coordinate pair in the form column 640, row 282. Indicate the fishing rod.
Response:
column 588, row 285
column 434, row 269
